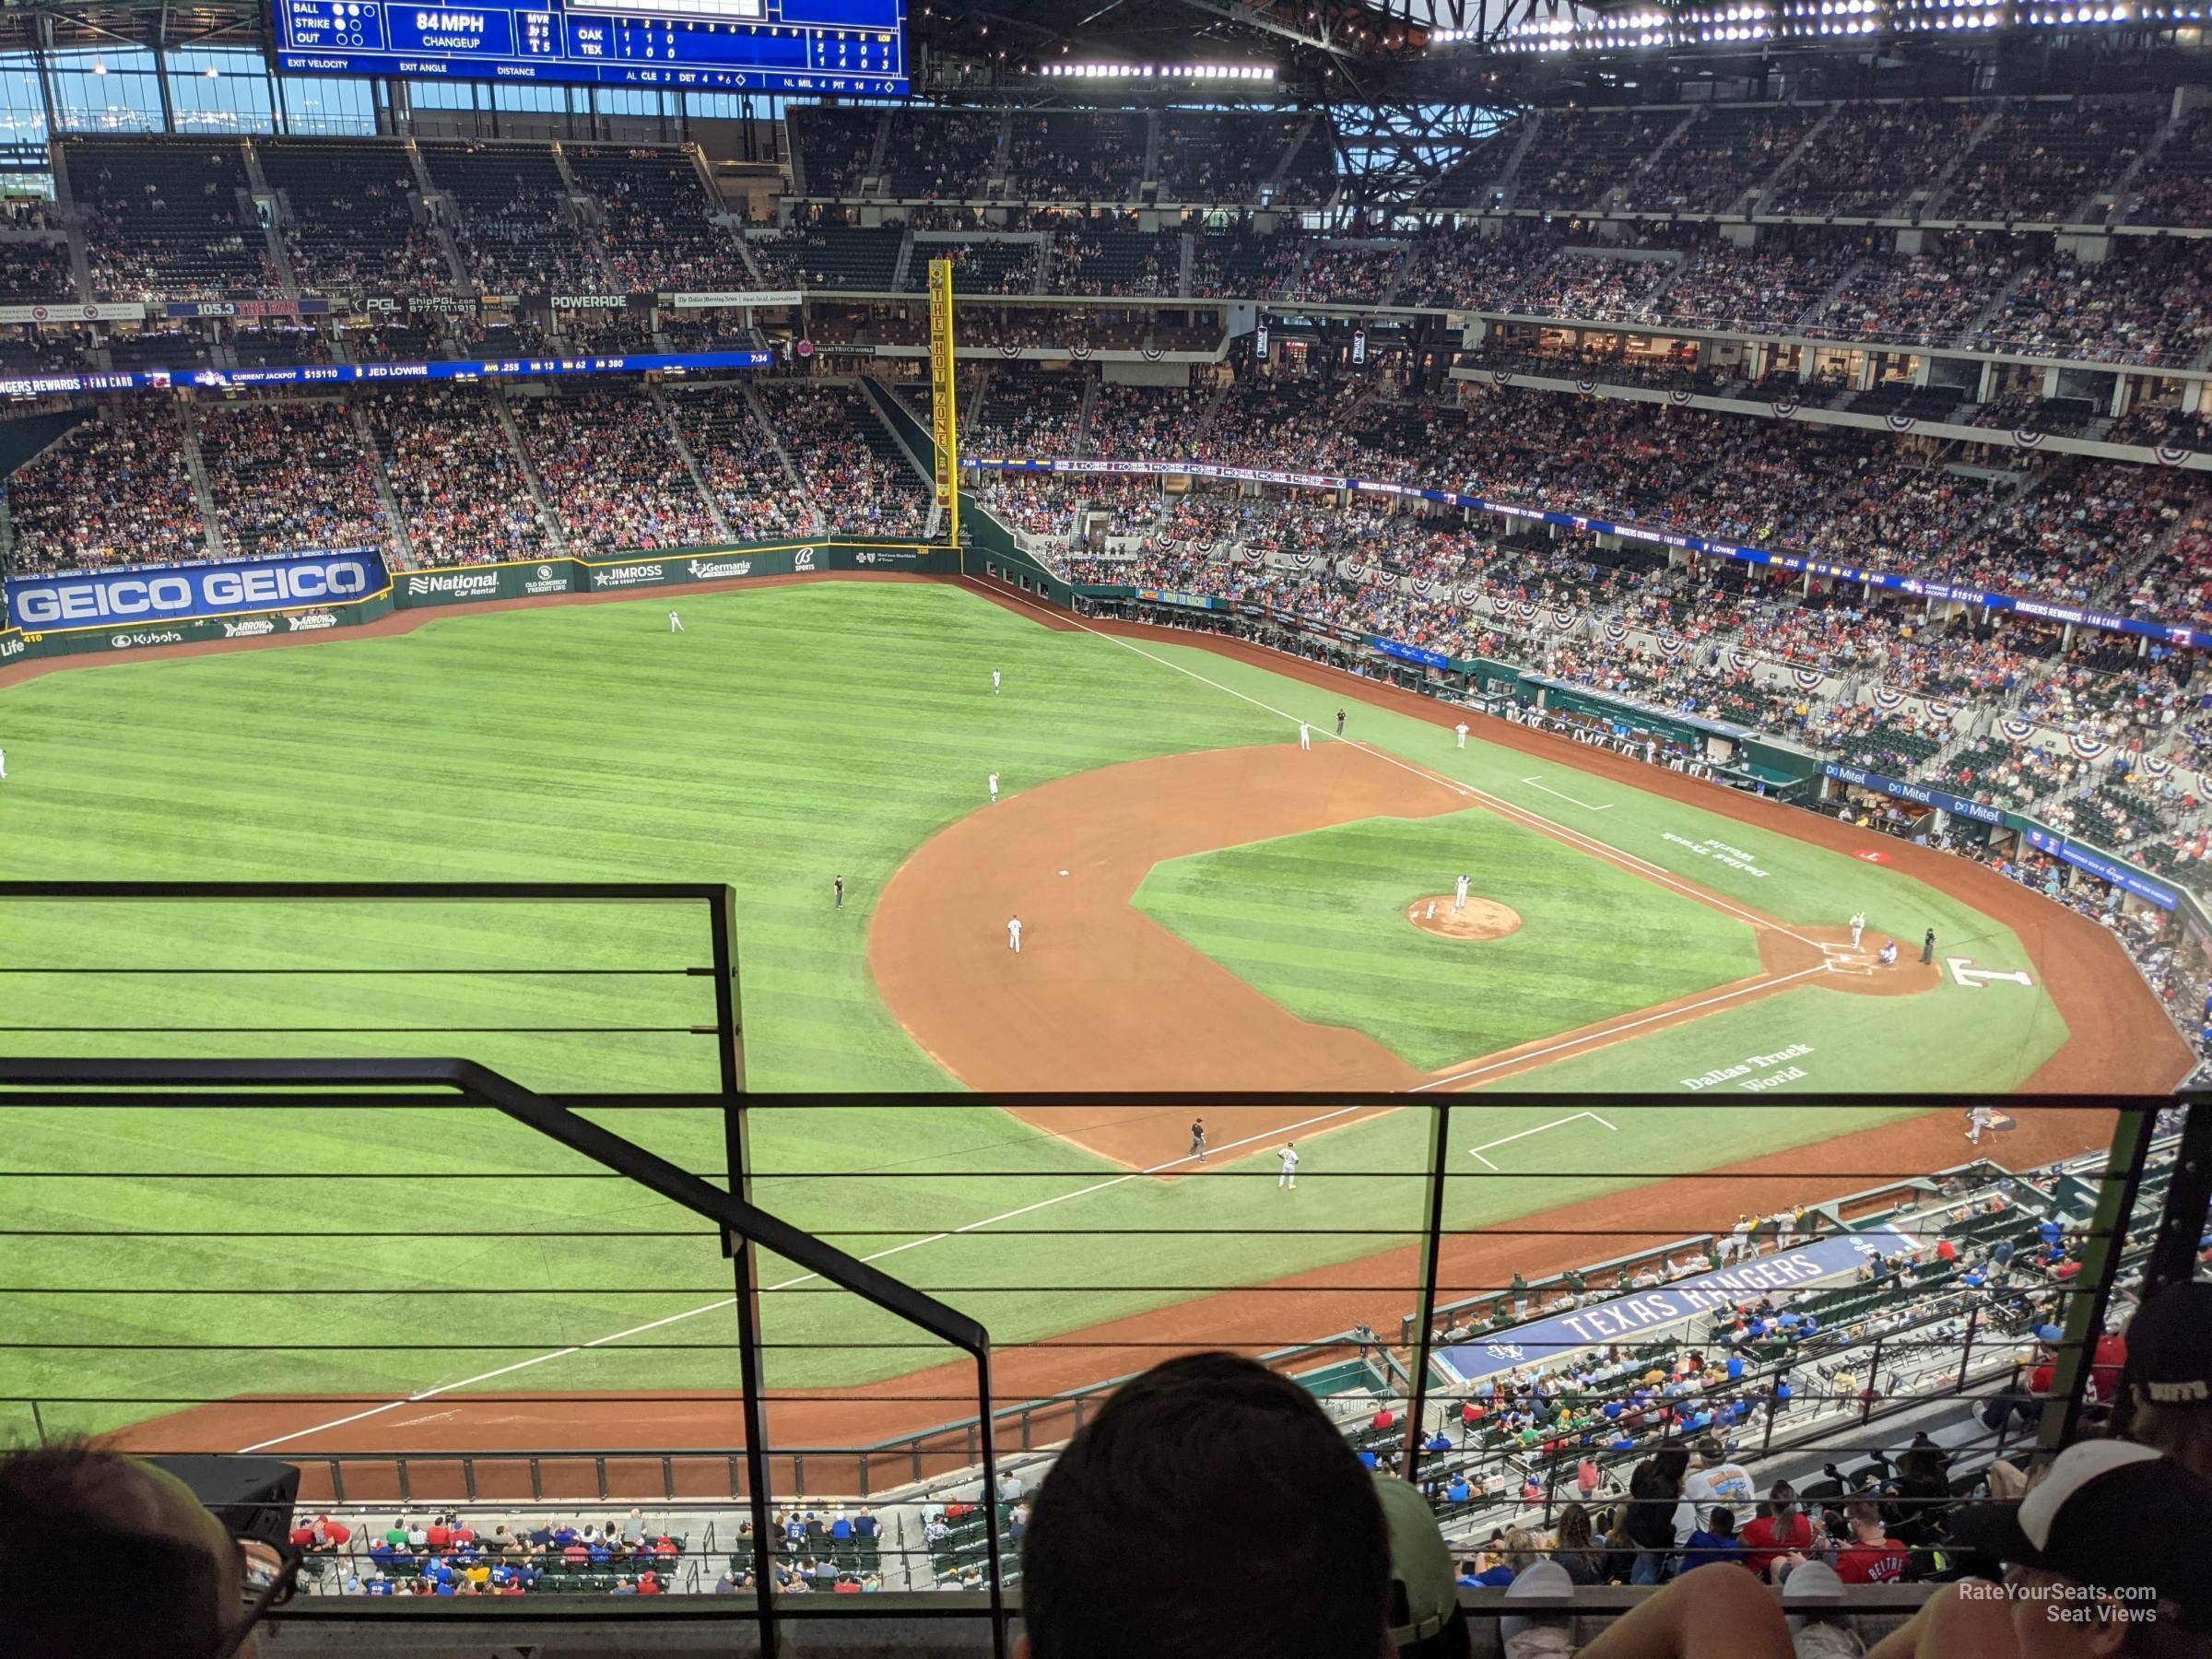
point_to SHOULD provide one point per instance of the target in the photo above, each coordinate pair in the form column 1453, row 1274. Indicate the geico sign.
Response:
column 215, row 590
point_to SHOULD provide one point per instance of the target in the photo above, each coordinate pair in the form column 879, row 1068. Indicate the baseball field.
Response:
column 1205, row 906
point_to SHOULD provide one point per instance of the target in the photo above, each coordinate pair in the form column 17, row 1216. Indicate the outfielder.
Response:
column 1289, row 1178
column 1340, row 723
column 676, row 623
column 1305, row 735
column 994, row 682
column 1462, row 729
column 1197, row 1140
column 839, row 885
column 1858, row 926
column 3, row 766
column 994, row 789
column 1014, row 935
column 1459, row 894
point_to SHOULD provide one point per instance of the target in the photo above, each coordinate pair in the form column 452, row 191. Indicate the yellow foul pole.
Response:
column 944, row 398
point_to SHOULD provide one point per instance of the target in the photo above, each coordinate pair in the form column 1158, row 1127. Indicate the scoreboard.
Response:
column 850, row 48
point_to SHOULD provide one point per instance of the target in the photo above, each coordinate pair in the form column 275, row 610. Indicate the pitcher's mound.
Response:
column 1481, row 919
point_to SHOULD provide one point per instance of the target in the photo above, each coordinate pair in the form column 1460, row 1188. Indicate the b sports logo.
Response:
column 803, row 560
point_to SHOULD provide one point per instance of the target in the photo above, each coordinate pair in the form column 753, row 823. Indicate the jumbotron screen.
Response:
column 857, row 48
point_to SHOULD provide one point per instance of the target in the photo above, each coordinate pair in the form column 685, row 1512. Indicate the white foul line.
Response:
column 1570, row 801
column 1476, row 1152
column 656, row 1325
column 1613, row 1030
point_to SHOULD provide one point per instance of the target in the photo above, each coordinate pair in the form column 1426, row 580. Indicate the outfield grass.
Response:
column 1318, row 923
column 790, row 734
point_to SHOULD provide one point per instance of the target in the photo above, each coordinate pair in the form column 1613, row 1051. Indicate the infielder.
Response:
column 994, row 682
column 1459, row 894
column 1289, row 1178
column 676, row 623
column 1197, row 1140
column 1858, row 926
column 1462, row 729
column 994, row 789
column 1340, row 723
column 1305, row 735
column 1979, row 1118
column 1928, row 949
column 1014, row 935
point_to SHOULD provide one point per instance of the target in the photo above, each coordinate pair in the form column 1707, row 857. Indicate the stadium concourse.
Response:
column 1706, row 411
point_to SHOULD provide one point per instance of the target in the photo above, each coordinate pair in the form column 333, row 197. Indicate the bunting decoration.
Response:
column 1008, row 350
column 1672, row 645
column 2088, row 749
column 1616, row 632
column 1741, row 661
column 1081, row 352
column 2027, row 437
column 1808, row 679
column 1585, row 386
column 1472, row 595
column 1941, row 714
column 1677, row 398
column 1902, row 423
column 1886, row 700
column 2172, row 454
column 2016, row 729
column 1783, row 408
column 1153, row 354
column 1499, row 377
column 1563, row 619
column 2150, row 766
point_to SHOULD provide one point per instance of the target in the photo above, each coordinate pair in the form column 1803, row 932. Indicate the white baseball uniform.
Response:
column 1289, row 1178
column 1978, row 1118
column 994, row 682
column 1305, row 735
column 1858, row 926
column 676, row 623
column 3, row 766
column 1462, row 729
column 1459, row 894
column 1014, row 935
column 994, row 789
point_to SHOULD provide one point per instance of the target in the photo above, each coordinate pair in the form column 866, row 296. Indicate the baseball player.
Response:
column 1289, row 1178
column 1858, row 926
column 838, row 885
column 1305, row 735
column 1462, row 729
column 1197, row 1140
column 3, row 766
column 1014, row 935
column 676, row 623
column 1340, row 723
column 1928, row 949
column 994, row 789
column 1459, row 894
column 1887, row 956
column 994, row 682
column 1979, row 1118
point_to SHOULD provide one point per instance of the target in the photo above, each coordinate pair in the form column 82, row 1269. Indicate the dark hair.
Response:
column 1720, row 1523
column 73, row 1504
column 1781, row 1498
column 1210, row 1511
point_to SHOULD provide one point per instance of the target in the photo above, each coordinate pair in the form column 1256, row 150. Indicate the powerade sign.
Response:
column 99, row 599
column 1958, row 805
column 2105, row 869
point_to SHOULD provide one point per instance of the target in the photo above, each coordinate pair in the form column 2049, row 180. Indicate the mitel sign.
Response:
column 91, row 599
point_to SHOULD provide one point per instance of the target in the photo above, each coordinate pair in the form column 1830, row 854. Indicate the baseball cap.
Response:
column 2170, row 1346
column 1424, row 1592
column 1539, row 1581
column 2110, row 1516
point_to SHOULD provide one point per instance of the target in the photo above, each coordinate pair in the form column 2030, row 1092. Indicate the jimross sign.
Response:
column 104, row 598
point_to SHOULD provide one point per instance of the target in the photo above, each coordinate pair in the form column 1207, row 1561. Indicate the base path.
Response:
column 2121, row 1042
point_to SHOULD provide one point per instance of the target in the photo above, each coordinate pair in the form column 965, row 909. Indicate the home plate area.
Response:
column 1478, row 919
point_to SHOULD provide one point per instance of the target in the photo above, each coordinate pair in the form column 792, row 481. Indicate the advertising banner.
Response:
column 1626, row 1318
column 172, row 594
column 197, row 630
column 70, row 310
column 709, row 299
column 1958, row 805
column 2106, row 869
column 246, row 307
column 467, row 583
column 337, row 374
column 1413, row 653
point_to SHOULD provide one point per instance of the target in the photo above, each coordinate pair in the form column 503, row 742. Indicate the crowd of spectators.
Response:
column 287, row 477
column 456, row 481
column 847, row 463
column 737, row 456
column 611, row 472
column 115, row 489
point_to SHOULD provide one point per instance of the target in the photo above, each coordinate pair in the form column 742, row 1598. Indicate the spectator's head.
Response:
column 2170, row 1362
column 1781, row 1501
column 172, row 1581
column 1720, row 1522
column 1865, row 1521
column 1711, row 1452
column 1233, row 1473
column 2103, row 1539
column 1425, row 1618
